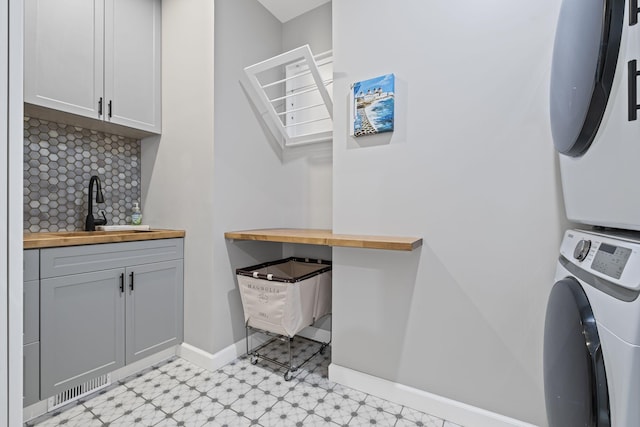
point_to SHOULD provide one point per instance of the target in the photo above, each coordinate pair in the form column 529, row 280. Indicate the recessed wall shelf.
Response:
column 326, row 238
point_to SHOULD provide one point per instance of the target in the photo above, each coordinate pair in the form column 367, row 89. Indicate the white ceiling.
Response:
column 285, row 10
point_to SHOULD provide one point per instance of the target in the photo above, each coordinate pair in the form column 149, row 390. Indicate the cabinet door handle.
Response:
column 109, row 108
column 633, row 74
column 131, row 282
column 121, row 282
column 100, row 106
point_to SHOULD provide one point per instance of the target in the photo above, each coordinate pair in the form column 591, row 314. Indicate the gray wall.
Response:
column 249, row 184
column 312, row 28
column 471, row 169
column 177, row 168
column 256, row 185
column 242, row 181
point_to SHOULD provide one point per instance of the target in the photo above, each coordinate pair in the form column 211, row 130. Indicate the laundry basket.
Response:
column 280, row 299
column 285, row 296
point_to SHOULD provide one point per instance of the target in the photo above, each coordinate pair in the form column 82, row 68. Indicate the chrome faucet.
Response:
column 91, row 222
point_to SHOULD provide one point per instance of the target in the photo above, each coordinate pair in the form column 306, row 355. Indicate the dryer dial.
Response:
column 582, row 249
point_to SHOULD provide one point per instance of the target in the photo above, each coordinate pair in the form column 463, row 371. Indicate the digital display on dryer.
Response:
column 611, row 260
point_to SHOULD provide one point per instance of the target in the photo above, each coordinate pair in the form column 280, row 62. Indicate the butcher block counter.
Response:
column 75, row 238
column 327, row 238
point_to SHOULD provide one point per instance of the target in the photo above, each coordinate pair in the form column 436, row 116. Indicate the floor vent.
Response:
column 78, row 391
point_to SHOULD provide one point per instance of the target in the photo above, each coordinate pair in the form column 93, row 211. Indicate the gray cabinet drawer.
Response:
column 31, row 313
column 64, row 261
column 31, row 264
column 31, row 373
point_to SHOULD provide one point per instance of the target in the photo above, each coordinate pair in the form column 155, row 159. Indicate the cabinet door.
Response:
column 31, row 327
column 31, row 297
column 63, row 55
column 82, row 328
column 154, row 308
column 31, row 312
column 31, row 373
column 31, row 264
column 132, row 63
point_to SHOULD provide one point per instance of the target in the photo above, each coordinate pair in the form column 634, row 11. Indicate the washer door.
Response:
column 585, row 54
column 575, row 382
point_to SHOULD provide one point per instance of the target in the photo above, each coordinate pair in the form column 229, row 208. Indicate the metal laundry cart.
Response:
column 280, row 299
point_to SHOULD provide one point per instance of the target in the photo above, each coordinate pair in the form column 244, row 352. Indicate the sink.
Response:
column 101, row 230
column 78, row 233
column 88, row 233
column 67, row 233
column 112, row 228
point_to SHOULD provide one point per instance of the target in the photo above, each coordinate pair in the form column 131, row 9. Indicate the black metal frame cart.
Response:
column 280, row 299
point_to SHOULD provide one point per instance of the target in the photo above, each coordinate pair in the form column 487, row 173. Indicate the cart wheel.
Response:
column 254, row 360
column 323, row 349
column 288, row 375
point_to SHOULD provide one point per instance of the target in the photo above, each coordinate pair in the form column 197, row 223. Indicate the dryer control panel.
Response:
column 610, row 256
column 611, row 260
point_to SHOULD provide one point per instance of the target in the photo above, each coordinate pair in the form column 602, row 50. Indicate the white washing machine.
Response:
column 592, row 332
column 594, row 110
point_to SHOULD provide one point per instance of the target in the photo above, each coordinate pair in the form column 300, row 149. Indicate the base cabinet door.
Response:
column 31, row 373
column 31, row 327
column 154, row 309
column 31, row 338
column 82, row 328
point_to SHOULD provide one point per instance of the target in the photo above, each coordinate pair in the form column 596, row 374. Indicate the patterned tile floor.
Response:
column 177, row 393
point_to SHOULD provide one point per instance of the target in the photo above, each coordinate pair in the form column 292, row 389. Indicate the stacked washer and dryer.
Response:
column 592, row 325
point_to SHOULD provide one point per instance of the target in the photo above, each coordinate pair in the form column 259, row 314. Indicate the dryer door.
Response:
column 585, row 53
column 575, row 382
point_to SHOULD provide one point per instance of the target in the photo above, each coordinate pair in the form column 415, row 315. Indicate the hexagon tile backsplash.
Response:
column 59, row 160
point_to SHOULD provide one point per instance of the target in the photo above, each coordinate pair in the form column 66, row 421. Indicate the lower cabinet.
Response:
column 31, row 327
column 31, row 373
column 104, row 306
column 154, row 319
column 82, row 329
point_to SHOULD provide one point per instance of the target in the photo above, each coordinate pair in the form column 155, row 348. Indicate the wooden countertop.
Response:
column 326, row 238
column 74, row 238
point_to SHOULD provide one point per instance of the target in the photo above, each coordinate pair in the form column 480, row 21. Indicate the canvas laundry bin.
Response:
column 285, row 296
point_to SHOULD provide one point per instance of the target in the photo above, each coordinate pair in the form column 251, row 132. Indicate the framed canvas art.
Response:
column 373, row 105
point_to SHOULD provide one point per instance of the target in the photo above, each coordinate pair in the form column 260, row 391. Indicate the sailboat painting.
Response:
column 373, row 105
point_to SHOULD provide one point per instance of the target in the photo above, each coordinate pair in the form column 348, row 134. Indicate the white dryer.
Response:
column 594, row 111
column 592, row 332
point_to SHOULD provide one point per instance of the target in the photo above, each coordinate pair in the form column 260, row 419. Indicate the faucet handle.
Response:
column 103, row 220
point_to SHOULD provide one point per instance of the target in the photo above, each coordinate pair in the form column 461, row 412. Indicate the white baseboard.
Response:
column 143, row 364
column 34, row 410
column 213, row 362
column 442, row 407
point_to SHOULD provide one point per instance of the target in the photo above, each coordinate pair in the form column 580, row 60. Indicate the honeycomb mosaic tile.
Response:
column 60, row 159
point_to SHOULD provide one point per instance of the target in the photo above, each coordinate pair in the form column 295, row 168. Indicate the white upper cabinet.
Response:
column 64, row 54
column 95, row 58
column 132, row 63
